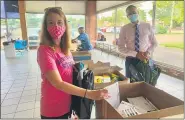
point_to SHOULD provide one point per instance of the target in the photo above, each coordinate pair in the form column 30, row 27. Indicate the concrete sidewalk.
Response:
column 171, row 56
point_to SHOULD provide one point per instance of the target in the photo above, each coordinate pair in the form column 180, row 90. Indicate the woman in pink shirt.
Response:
column 56, row 61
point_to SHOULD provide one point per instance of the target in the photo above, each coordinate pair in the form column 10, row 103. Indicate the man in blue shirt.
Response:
column 84, row 38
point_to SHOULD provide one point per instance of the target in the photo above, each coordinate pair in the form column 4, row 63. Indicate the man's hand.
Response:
column 141, row 56
column 147, row 55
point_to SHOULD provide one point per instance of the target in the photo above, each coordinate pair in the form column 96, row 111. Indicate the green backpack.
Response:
column 144, row 72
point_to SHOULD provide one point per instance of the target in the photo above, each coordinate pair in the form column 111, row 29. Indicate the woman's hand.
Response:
column 97, row 94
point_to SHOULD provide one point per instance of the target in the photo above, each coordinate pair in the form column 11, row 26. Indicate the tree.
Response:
column 178, row 18
column 121, row 18
column 142, row 15
column 13, row 24
column 171, row 19
column 75, row 22
column 164, row 10
column 3, row 22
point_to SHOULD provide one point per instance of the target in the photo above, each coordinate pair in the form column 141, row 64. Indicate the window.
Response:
column 33, row 24
column 106, row 24
column 75, row 21
column 14, row 28
column 3, row 28
column 170, row 32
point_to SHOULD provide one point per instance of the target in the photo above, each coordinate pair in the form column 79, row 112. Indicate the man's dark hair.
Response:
column 129, row 7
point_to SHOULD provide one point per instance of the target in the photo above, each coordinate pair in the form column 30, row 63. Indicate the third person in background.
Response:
column 84, row 39
column 136, row 40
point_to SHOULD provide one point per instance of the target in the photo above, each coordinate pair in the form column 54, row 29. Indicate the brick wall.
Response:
column 90, row 20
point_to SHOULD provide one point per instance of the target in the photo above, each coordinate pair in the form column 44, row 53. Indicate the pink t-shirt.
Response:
column 54, row 102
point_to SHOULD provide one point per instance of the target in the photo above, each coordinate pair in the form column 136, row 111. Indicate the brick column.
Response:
column 90, row 20
column 22, row 11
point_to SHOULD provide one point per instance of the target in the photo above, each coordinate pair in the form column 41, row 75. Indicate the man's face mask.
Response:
column 133, row 17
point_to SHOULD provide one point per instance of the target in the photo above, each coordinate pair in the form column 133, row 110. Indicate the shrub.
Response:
column 161, row 29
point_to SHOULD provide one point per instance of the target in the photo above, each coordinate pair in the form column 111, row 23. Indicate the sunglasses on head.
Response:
column 49, row 8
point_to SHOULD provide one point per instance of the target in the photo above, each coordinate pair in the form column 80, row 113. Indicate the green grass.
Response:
column 170, row 34
column 179, row 45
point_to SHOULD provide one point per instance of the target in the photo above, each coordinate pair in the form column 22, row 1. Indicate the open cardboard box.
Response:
column 103, row 63
column 167, row 104
column 81, row 55
column 109, row 70
column 87, row 63
column 91, row 65
column 101, row 68
column 99, row 65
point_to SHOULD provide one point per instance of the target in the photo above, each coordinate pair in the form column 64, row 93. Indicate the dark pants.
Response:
column 65, row 116
column 130, row 60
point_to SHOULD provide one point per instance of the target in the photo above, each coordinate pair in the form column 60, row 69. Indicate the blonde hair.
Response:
column 46, row 39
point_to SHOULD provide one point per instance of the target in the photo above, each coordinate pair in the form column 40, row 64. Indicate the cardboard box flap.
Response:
column 87, row 62
column 163, row 100
column 130, row 90
column 116, row 68
column 105, row 69
column 161, row 113
column 103, row 63
column 99, row 65
column 103, row 66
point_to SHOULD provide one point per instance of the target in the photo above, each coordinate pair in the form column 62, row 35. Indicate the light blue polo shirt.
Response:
column 85, row 42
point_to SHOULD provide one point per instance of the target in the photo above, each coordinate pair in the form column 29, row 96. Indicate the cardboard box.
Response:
column 103, row 63
column 81, row 55
column 87, row 63
column 99, row 65
column 167, row 104
column 112, row 69
column 101, row 68
column 91, row 65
